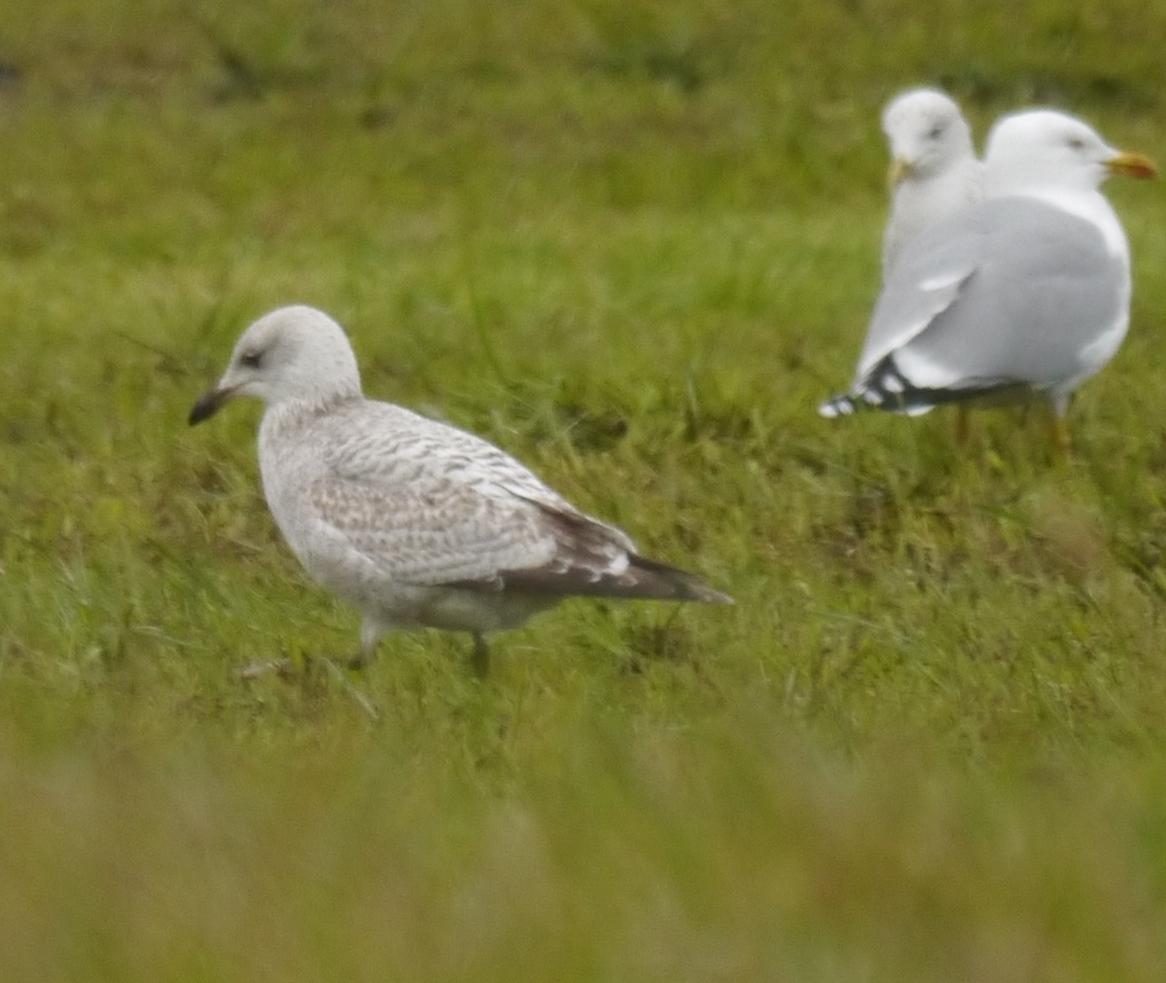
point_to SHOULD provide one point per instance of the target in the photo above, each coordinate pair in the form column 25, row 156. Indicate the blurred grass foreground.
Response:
column 633, row 243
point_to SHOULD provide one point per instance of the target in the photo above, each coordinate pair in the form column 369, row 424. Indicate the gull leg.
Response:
column 370, row 633
column 1062, row 441
column 480, row 657
column 962, row 426
column 361, row 699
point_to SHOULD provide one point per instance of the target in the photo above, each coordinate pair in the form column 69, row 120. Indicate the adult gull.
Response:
column 934, row 171
column 1026, row 292
column 414, row 522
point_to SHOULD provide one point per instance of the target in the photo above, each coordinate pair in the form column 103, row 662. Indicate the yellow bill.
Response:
column 1131, row 165
column 899, row 171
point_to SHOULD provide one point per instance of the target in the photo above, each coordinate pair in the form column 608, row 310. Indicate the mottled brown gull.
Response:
column 415, row 523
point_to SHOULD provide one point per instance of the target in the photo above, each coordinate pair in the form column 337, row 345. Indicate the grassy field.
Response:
column 634, row 243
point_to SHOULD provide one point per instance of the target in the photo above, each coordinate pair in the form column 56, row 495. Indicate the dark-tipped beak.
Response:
column 209, row 403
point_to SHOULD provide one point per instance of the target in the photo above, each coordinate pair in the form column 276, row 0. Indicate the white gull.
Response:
column 934, row 172
column 1025, row 292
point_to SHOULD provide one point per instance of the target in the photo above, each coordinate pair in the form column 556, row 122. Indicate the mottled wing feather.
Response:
column 399, row 448
column 432, row 505
column 431, row 533
column 589, row 556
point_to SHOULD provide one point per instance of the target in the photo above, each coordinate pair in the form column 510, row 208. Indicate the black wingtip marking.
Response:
column 886, row 388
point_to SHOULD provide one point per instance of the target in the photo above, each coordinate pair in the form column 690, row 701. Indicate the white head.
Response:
column 1041, row 148
column 927, row 134
column 290, row 354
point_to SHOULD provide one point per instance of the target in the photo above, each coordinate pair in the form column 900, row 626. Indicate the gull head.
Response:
column 1042, row 148
column 292, row 353
column 927, row 134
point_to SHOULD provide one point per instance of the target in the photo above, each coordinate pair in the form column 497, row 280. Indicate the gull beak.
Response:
column 900, row 170
column 1131, row 165
column 208, row 404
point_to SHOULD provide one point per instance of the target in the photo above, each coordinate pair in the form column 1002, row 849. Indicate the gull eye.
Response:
column 1076, row 143
column 935, row 132
column 251, row 359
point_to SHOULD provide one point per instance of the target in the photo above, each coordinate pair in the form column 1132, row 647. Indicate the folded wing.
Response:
column 431, row 505
column 1011, row 293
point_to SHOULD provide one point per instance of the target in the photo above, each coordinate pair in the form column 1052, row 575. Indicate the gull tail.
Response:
column 638, row 578
column 652, row 580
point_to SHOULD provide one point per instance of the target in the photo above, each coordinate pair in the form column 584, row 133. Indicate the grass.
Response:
column 634, row 243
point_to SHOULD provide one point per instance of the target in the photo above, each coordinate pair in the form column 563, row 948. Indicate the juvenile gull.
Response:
column 415, row 523
column 1025, row 292
column 934, row 172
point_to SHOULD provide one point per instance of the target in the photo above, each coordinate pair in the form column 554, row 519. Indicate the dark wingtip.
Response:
column 207, row 405
column 836, row 406
column 666, row 582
